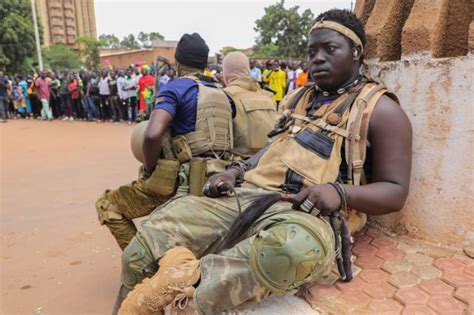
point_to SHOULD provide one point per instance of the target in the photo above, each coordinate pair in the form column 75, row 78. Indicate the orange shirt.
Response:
column 302, row 79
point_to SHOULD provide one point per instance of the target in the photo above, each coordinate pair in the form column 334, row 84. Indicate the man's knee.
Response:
column 137, row 263
column 292, row 252
column 106, row 211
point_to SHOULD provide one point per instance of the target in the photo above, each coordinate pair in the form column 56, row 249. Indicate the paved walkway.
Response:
column 395, row 275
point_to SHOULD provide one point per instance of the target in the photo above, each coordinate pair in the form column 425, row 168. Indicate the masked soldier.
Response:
column 188, row 138
column 202, row 249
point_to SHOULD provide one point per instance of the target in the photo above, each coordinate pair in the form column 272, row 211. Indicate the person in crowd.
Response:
column 18, row 98
column 24, row 85
column 276, row 79
column 42, row 91
column 145, row 89
column 302, row 76
column 255, row 72
column 74, row 90
column 292, row 75
column 3, row 92
column 91, row 95
column 122, row 99
column 104, row 94
column 130, row 94
column 55, row 97
column 65, row 97
column 114, row 99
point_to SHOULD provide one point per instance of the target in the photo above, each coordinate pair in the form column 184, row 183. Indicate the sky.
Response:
column 220, row 22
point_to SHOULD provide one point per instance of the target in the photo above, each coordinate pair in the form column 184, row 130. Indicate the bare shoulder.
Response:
column 389, row 117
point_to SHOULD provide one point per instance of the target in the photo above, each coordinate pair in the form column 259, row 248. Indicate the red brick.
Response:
column 363, row 239
column 465, row 294
column 418, row 259
column 356, row 299
column 426, row 272
column 383, row 242
column 403, row 279
column 396, row 266
column 436, row 287
column 369, row 262
column 381, row 290
column 374, row 233
column 412, row 296
column 354, row 285
column 385, row 306
column 390, row 254
column 446, row 304
column 451, row 264
column 324, row 291
column 373, row 275
column 418, row 310
column 457, row 278
column 364, row 250
column 469, row 270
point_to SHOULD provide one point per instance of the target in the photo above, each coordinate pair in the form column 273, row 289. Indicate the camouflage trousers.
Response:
column 117, row 208
column 200, row 224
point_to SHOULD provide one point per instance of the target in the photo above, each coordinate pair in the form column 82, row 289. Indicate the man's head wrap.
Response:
column 342, row 29
column 235, row 65
column 145, row 67
column 192, row 51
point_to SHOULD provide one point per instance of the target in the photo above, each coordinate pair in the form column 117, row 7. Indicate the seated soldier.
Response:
column 198, row 115
column 202, row 250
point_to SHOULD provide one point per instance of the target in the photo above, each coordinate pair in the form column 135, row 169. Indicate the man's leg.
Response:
column 3, row 113
column 287, row 250
column 117, row 208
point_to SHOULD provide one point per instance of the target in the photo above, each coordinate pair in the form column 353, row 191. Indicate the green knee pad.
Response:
column 106, row 210
column 289, row 254
column 137, row 263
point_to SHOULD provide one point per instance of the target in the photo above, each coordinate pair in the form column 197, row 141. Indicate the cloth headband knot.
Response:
column 340, row 29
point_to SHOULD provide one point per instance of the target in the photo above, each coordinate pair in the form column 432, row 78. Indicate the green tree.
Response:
column 155, row 36
column 144, row 39
column 286, row 29
column 130, row 42
column 17, row 39
column 89, row 51
column 60, row 56
column 109, row 41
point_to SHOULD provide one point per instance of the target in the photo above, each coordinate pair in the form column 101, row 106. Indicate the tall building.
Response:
column 65, row 20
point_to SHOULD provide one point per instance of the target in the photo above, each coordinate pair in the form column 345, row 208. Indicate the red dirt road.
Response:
column 55, row 258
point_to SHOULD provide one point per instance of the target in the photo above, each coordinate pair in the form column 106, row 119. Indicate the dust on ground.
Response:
column 55, row 258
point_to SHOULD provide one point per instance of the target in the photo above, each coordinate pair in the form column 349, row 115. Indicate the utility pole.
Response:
column 37, row 39
column 352, row 4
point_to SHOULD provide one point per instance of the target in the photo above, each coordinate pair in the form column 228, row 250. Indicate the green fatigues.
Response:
column 117, row 208
column 200, row 224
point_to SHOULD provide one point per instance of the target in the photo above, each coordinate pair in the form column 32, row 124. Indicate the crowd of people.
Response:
column 118, row 95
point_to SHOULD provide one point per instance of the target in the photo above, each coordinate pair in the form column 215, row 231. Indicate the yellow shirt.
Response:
column 277, row 82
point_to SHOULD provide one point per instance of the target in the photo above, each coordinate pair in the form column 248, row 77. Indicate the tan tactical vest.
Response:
column 312, row 147
column 256, row 115
column 213, row 132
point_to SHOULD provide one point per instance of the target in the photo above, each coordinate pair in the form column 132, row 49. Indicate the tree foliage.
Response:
column 60, row 56
column 17, row 38
column 142, row 40
column 283, row 31
column 89, row 51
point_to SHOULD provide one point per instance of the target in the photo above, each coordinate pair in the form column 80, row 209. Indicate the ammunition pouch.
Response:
column 200, row 169
column 164, row 178
column 181, row 149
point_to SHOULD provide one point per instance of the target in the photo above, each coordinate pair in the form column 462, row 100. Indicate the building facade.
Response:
column 65, row 20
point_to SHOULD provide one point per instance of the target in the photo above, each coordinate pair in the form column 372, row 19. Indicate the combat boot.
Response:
column 173, row 283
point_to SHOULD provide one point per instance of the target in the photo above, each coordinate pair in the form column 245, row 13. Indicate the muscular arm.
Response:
column 390, row 135
column 159, row 122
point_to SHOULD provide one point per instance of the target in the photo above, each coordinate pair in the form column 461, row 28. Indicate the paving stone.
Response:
column 469, row 270
column 418, row 259
column 373, row 275
column 356, row 299
column 356, row 270
column 396, row 266
column 355, row 285
column 381, row 290
column 323, row 291
column 385, row 306
column 369, row 262
column 364, row 250
column 363, row 239
column 329, row 279
column 374, row 233
column 390, row 254
column 403, row 279
column 465, row 294
column 426, row 272
column 383, row 242
column 457, row 278
column 446, row 264
column 407, row 248
column 446, row 305
column 436, row 287
column 418, row 310
column 412, row 296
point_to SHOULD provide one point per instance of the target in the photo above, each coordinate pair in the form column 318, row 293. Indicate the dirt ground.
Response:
column 55, row 258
